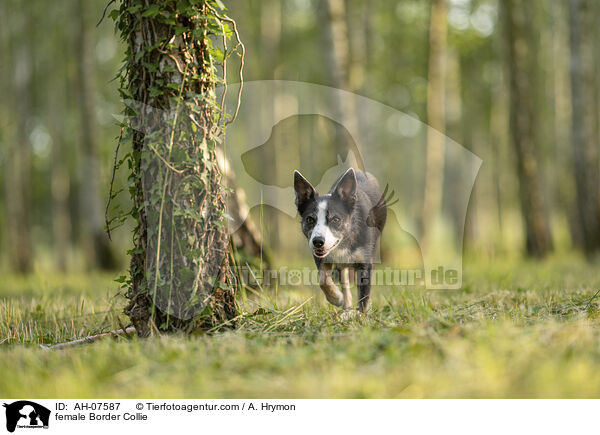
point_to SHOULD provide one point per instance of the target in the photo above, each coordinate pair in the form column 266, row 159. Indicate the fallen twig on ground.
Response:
column 91, row 339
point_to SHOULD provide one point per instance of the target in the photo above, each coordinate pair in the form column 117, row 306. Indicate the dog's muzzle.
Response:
column 319, row 251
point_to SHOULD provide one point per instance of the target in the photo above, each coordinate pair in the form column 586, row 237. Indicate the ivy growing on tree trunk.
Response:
column 180, row 272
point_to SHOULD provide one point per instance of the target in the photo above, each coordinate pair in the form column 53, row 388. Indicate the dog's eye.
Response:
column 335, row 220
column 310, row 220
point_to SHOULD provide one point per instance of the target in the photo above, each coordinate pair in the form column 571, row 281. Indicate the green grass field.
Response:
column 517, row 329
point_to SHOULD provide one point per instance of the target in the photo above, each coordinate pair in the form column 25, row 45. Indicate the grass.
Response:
column 517, row 329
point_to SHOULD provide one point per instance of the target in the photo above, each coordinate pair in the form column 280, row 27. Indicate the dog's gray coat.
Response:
column 343, row 228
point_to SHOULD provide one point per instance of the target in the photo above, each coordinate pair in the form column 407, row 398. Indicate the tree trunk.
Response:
column 523, row 124
column 18, row 170
column 270, row 36
column 180, row 275
column 358, row 15
column 564, row 186
column 247, row 237
column 436, row 116
column 94, row 238
column 337, row 35
column 499, row 139
column 59, row 188
column 337, row 59
column 583, row 123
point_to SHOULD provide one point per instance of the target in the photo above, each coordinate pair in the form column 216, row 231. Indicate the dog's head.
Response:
column 326, row 219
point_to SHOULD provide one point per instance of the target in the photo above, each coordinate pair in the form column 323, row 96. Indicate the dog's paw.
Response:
column 346, row 315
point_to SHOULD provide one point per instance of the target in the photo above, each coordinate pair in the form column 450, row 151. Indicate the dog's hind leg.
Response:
column 363, row 282
column 345, row 281
column 332, row 292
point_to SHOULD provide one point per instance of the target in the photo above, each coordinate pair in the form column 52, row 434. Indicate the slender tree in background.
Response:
column 523, row 122
column 56, row 107
column 564, row 186
column 584, row 135
column 499, row 135
column 59, row 186
column 339, row 47
column 178, row 200
column 271, row 17
column 337, row 58
column 4, row 134
column 99, row 249
column 358, row 18
column 17, row 179
column 436, row 114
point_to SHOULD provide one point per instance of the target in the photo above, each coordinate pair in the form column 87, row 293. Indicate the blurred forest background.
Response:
column 515, row 81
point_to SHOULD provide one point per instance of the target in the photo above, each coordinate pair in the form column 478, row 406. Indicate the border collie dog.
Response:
column 342, row 228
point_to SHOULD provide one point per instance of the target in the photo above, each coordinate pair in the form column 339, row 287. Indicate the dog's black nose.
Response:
column 318, row 242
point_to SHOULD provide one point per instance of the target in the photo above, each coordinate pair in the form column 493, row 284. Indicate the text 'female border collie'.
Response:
column 343, row 228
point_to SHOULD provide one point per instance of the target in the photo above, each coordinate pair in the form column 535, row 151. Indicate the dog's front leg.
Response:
column 363, row 282
column 345, row 280
column 332, row 292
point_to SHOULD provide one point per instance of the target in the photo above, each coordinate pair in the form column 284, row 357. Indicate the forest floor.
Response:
column 517, row 329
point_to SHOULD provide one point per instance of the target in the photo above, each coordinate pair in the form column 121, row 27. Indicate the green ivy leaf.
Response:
column 154, row 91
column 217, row 54
column 152, row 11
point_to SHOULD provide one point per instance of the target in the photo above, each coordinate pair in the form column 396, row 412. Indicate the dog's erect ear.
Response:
column 345, row 188
column 304, row 191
